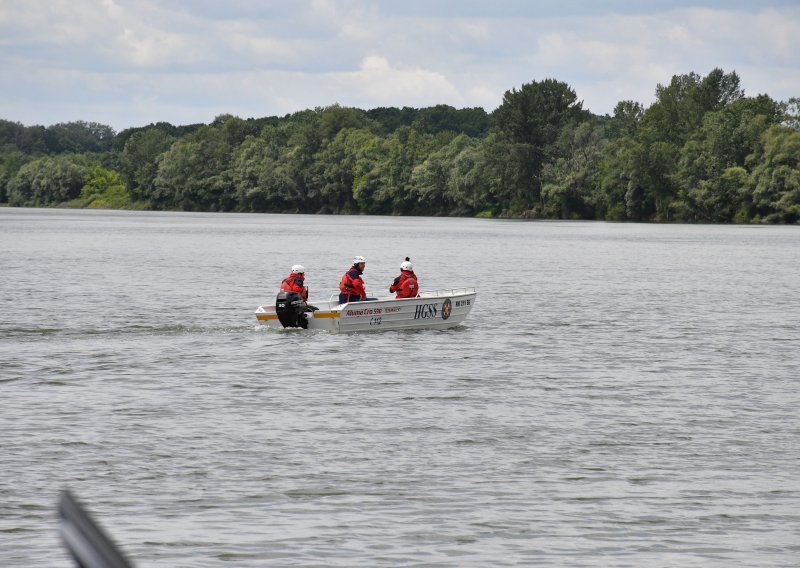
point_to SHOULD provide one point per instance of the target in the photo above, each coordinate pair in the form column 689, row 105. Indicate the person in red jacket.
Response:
column 295, row 281
column 406, row 284
column 351, row 287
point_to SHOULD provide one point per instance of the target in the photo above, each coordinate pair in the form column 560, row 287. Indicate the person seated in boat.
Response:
column 351, row 287
column 406, row 284
column 295, row 282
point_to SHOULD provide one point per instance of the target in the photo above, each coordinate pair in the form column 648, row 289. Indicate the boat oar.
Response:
column 85, row 540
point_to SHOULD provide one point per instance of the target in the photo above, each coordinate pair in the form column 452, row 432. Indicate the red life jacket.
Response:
column 352, row 284
column 290, row 284
column 405, row 285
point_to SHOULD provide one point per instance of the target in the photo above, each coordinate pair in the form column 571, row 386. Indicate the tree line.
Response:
column 702, row 152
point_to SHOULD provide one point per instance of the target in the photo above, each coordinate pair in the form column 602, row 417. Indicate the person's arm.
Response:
column 358, row 286
column 301, row 287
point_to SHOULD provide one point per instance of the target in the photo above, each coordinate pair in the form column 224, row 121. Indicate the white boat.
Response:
column 437, row 309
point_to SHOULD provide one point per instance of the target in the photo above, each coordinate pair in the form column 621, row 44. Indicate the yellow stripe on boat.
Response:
column 326, row 314
column 321, row 315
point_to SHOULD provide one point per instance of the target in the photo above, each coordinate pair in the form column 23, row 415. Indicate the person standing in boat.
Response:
column 406, row 284
column 295, row 282
column 351, row 287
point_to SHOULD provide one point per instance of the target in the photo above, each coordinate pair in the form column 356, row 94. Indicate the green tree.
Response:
column 531, row 120
column 680, row 106
column 10, row 163
column 235, row 129
column 626, row 120
column 446, row 182
column 505, row 177
column 47, row 181
column 193, row 176
column 302, row 147
column 402, row 152
column 712, row 160
column 368, row 151
column 621, row 191
column 390, row 119
column 139, row 160
column 174, row 131
column 661, row 160
column 25, row 139
column 464, row 195
column 263, row 176
column 570, row 178
column 429, row 181
column 346, row 170
column 444, row 118
column 335, row 118
column 791, row 113
column 104, row 189
column 78, row 137
column 334, row 174
column 776, row 178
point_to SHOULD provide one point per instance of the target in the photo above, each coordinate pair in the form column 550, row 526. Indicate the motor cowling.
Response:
column 291, row 309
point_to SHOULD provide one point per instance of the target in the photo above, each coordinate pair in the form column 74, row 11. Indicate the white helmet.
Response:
column 359, row 259
column 406, row 266
column 298, row 269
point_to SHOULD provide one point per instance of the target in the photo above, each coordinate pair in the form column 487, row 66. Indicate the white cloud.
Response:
column 677, row 35
column 146, row 59
column 149, row 48
column 253, row 46
column 384, row 83
column 769, row 34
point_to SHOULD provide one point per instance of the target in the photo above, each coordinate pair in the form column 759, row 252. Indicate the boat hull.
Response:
column 441, row 309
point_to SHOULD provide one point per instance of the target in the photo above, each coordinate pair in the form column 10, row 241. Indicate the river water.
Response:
column 620, row 395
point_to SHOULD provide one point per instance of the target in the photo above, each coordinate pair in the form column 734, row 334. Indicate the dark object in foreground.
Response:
column 86, row 541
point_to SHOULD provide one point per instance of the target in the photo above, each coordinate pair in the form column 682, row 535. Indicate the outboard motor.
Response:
column 291, row 309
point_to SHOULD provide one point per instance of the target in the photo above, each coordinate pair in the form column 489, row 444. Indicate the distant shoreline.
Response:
column 499, row 218
column 702, row 153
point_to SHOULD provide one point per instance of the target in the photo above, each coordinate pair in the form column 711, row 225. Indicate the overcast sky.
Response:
column 132, row 62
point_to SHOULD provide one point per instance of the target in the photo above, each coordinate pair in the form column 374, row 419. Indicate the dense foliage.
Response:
column 702, row 152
